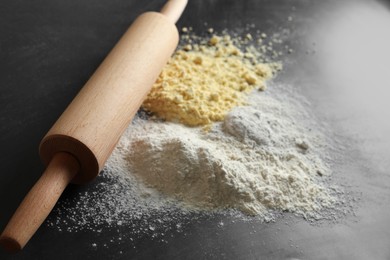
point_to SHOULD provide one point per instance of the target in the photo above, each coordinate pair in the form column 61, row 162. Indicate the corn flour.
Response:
column 203, row 81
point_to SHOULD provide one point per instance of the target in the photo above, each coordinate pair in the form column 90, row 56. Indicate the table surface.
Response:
column 48, row 49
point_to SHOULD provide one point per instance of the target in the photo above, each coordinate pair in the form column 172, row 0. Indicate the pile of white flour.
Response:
column 263, row 158
column 256, row 160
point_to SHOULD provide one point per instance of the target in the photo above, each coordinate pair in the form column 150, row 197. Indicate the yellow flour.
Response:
column 202, row 82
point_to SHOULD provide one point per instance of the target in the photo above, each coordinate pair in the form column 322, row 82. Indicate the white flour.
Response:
column 254, row 161
column 265, row 158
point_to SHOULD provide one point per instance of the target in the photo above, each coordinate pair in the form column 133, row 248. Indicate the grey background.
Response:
column 341, row 62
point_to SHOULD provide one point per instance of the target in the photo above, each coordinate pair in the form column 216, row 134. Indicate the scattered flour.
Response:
column 162, row 173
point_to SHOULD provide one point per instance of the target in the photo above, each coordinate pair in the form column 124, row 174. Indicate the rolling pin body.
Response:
column 92, row 124
column 79, row 143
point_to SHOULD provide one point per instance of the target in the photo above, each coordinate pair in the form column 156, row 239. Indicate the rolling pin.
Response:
column 79, row 143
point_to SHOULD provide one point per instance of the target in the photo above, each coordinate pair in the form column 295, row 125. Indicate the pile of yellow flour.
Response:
column 203, row 81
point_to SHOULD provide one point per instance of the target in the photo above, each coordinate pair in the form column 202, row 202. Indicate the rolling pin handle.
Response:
column 38, row 203
column 173, row 9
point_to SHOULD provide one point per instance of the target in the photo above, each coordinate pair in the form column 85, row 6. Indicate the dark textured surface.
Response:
column 48, row 49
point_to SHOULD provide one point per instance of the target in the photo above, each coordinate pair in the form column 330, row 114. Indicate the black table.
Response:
column 340, row 63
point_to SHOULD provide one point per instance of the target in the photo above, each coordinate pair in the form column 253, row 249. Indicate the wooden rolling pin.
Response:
column 77, row 146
